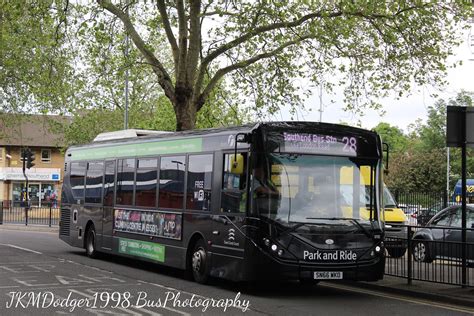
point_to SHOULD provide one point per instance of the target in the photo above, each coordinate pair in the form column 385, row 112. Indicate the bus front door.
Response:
column 228, row 247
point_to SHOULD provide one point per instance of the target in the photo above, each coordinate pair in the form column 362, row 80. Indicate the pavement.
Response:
column 443, row 293
column 30, row 227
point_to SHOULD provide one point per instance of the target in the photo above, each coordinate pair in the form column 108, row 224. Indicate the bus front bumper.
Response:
column 272, row 269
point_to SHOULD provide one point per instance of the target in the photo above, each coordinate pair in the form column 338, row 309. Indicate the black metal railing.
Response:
column 46, row 215
column 434, row 254
column 422, row 205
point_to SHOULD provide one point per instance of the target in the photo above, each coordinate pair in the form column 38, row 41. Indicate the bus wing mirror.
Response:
column 386, row 150
column 237, row 164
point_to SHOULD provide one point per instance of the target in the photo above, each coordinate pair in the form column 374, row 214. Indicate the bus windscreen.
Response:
column 299, row 187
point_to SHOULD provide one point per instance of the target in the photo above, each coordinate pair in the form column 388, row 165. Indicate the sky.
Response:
column 405, row 111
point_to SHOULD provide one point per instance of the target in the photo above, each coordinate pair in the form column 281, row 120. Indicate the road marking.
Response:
column 399, row 298
column 21, row 248
column 73, row 286
column 127, row 310
column 154, row 284
column 9, row 286
column 190, row 293
column 24, row 263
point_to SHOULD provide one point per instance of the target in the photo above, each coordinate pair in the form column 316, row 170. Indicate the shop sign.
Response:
column 17, row 174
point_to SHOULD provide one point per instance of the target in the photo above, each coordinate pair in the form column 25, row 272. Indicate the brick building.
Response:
column 45, row 178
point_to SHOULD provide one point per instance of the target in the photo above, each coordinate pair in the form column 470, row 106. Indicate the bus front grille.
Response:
column 65, row 224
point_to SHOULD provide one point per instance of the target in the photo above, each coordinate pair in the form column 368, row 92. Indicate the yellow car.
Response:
column 393, row 217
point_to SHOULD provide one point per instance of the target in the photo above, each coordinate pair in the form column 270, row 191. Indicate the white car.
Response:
column 411, row 212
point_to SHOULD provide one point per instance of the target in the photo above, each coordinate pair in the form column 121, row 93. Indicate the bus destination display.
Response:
column 159, row 224
column 317, row 143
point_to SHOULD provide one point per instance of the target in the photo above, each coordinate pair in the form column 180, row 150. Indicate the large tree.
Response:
column 393, row 136
column 422, row 165
column 35, row 69
column 370, row 48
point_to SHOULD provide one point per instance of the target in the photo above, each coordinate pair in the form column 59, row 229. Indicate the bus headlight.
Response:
column 266, row 242
column 377, row 248
column 280, row 252
column 274, row 247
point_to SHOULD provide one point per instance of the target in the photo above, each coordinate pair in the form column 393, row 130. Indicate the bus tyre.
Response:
column 396, row 252
column 91, row 251
column 199, row 262
column 421, row 251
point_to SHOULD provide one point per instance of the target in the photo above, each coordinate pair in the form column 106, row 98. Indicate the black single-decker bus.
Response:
column 282, row 200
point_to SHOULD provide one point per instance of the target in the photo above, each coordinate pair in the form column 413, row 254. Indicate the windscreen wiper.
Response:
column 352, row 220
column 292, row 229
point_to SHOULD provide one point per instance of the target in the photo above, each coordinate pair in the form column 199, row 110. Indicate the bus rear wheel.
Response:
column 199, row 262
column 91, row 250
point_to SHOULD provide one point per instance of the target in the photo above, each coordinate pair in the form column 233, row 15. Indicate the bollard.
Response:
column 49, row 215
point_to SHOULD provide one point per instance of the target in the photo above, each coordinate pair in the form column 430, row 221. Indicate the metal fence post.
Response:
column 26, row 215
column 1, row 212
column 409, row 275
column 50, row 215
column 445, row 199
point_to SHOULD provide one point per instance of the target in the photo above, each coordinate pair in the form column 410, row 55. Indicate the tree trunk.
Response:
column 185, row 115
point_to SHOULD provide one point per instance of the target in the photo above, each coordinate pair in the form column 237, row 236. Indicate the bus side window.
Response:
column 234, row 185
column 94, row 178
column 199, row 182
column 146, row 180
column 109, row 183
column 171, row 191
column 78, row 172
column 125, row 181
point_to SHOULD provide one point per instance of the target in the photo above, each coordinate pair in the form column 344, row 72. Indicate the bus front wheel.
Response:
column 91, row 251
column 199, row 262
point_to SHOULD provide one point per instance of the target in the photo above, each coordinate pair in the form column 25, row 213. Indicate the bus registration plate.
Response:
column 328, row 275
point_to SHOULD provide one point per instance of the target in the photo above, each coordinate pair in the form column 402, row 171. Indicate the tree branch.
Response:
column 266, row 28
column 163, row 77
column 169, row 32
column 183, row 44
column 245, row 63
column 194, row 40
column 252, row 33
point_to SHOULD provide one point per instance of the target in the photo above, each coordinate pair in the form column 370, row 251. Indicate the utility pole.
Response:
column 126, row 74
column 321, row 102
column 447, row 171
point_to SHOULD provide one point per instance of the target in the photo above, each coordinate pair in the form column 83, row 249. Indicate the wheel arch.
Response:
column 189, row 249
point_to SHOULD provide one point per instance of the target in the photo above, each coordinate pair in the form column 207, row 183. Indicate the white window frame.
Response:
column 47, row 160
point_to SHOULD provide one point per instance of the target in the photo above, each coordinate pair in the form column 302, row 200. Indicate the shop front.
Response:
column 43, row 186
